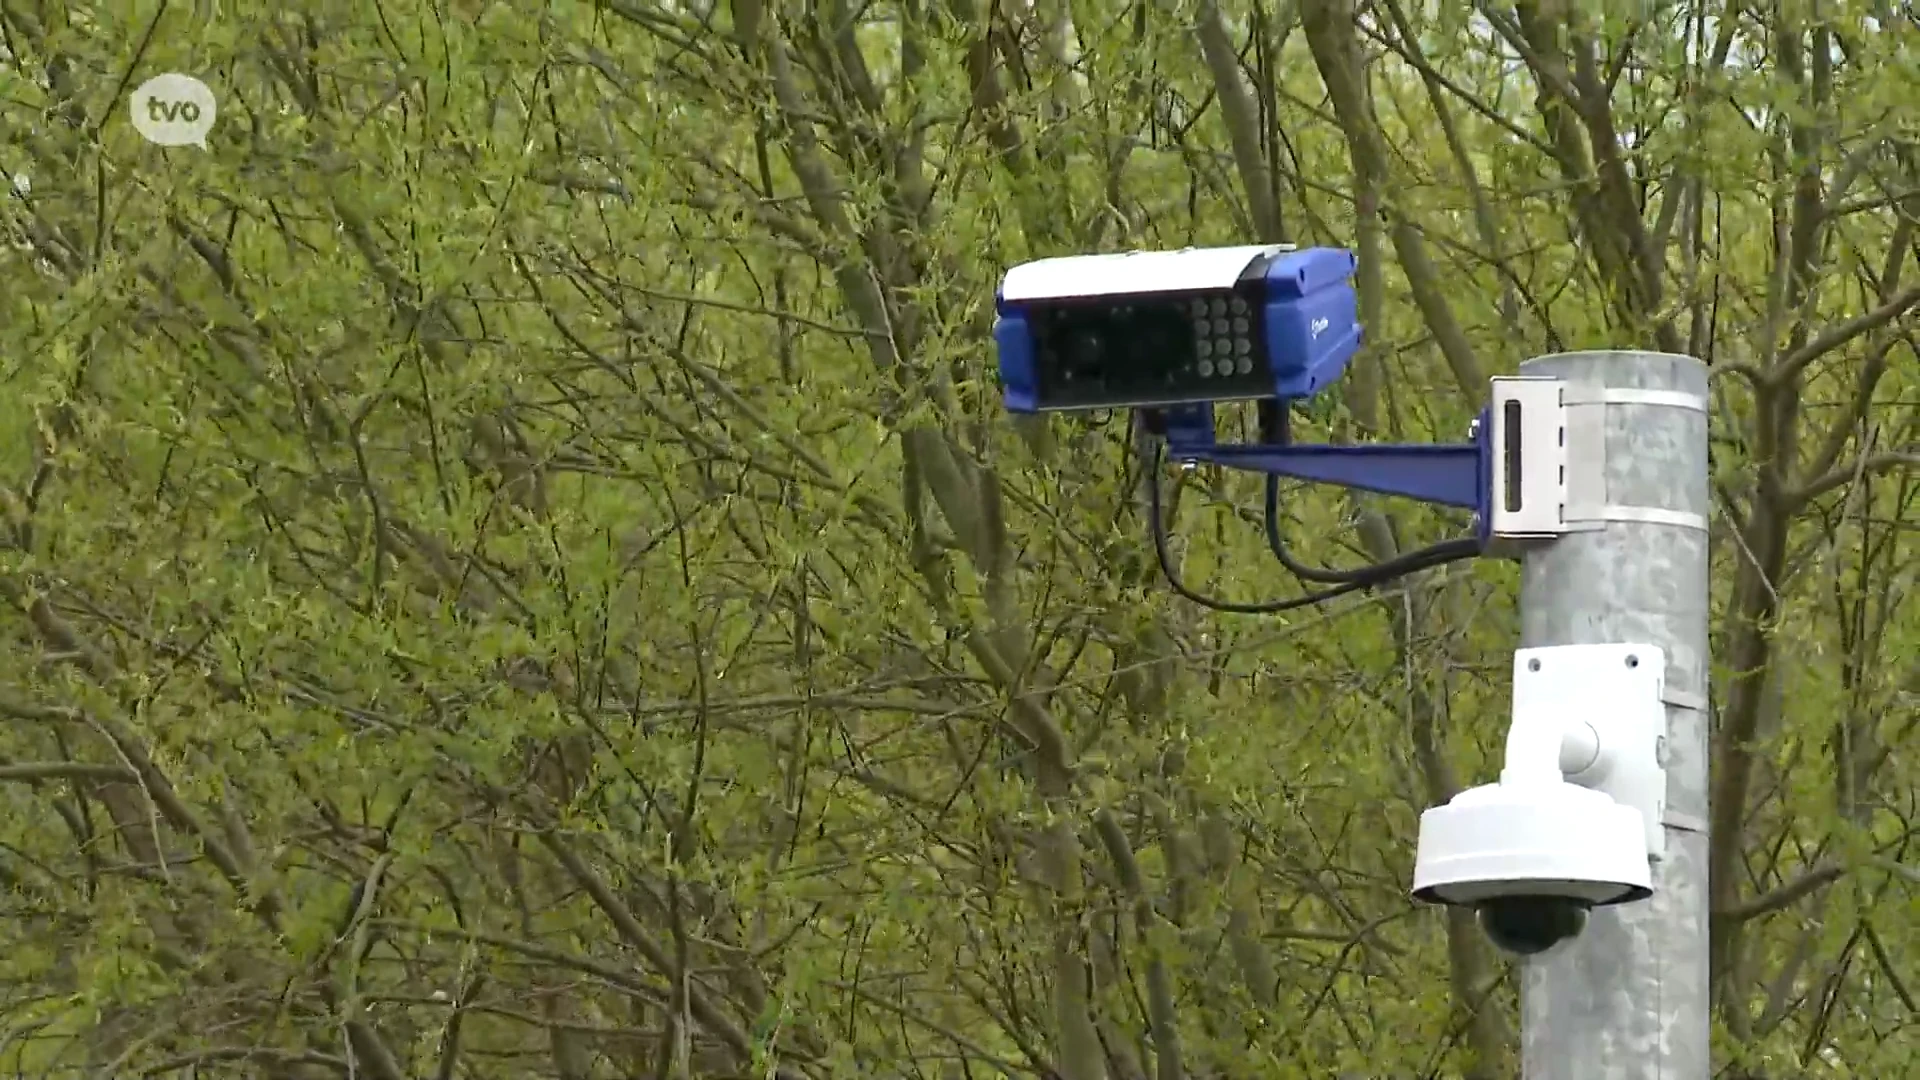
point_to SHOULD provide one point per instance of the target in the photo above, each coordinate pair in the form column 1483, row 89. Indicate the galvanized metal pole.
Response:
column 1627, row 998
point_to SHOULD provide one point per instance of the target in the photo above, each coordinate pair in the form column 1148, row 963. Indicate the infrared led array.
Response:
column 1223, row 337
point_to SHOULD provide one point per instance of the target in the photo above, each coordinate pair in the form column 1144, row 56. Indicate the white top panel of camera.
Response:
column 1133, row 273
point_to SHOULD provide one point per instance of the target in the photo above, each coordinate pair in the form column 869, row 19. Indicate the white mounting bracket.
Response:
column 1594, row 715
column 1549, row 459
column 1530, row 455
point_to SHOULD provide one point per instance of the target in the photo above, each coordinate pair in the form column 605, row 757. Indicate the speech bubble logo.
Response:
column 173, row 110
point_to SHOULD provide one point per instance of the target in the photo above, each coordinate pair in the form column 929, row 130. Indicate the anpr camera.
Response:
column 1150, row 329
column 1577, row 815
column 1173, row 334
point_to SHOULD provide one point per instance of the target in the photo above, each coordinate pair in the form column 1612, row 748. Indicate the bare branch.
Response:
column 254, row 1054
column 1886, row 461
column 1786, row 895
column 1839, row 334
column 630, row 931
column 972, row 1049
column 1329, row 27
column 613, row 974
column 35, row 771
column 1243, row 123
column 1163, row 1019
column 18, row 709
column 1890, row 970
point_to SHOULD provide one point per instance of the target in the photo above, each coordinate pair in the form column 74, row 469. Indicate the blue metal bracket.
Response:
column 1457, row 474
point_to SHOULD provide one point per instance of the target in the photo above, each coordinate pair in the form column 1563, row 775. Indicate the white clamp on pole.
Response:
column 1549, row 441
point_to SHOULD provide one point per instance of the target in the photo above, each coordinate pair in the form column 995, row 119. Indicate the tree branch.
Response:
column 1885, row 461
column 630, row 931
column 1329, row 27
column 1163, row 1018
column 33, row 772
column 259, row 1055
column 1835, row 336
column 613, row 974
column 1786, row 895
column 1242, row 120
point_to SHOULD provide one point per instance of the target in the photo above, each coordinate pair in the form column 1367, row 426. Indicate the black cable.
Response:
column 1445, row 551
column 1366, row 578
column 1275, row 424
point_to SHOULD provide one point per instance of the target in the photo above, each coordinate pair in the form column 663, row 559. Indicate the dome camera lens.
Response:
column 1529, row 925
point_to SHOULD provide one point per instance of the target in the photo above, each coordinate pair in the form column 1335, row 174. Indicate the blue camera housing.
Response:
column 1313, row 319
column 1019, row 382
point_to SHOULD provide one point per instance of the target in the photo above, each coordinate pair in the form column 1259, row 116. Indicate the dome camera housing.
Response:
column 1534, row 853
column 1532, row 859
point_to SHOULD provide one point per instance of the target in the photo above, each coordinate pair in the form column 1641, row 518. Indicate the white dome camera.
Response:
column 1576, row 817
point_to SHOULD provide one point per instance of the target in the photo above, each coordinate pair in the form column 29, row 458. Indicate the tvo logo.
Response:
column 166, row 112
column 173, row 110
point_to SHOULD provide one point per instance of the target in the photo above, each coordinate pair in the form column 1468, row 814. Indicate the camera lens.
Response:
column 1085, row 349
column 1529, row 925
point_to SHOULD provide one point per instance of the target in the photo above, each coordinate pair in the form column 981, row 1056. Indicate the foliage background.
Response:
column 514, row 564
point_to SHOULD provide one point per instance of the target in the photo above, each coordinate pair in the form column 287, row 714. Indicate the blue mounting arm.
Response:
column 1458, row 474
